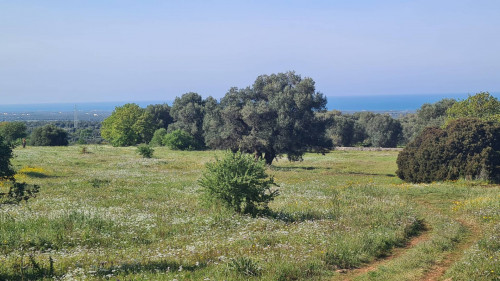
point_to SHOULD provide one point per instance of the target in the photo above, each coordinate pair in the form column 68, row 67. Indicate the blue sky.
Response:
column 90, row 51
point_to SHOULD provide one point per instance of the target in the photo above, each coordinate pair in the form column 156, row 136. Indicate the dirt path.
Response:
column 440, row 268
column 397, row 252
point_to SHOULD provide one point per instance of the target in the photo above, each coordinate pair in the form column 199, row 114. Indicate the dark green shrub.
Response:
column 240, row 182
column 16, row 191
column 158, row 136
column 6, row 170
column 467, row 148
column 49, row 135
column 145, row 150
column 180, row 140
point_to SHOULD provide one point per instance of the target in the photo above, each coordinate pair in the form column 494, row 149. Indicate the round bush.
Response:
column 145, row 150
column 158, row 136
column 49, row 135
column 240, row 182
column 180, row 140
column 467, row 148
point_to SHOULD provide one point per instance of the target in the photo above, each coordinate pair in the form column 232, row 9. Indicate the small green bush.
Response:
column 180, row 140
column 145, row 150
column 158, row 136
column 240, row 182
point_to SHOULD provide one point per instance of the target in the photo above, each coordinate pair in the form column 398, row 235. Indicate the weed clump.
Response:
column 245, row 266
column 240, row 182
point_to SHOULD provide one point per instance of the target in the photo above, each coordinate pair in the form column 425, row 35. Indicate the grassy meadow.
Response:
column 109, row 214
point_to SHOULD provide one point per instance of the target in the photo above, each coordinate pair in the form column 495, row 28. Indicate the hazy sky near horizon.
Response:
column 122, row 50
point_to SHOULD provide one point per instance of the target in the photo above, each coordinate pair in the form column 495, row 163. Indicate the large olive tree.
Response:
column 273, row 117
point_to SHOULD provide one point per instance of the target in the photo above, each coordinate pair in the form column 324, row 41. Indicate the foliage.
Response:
column 240, row 182
column 17, row 191
column 128, row 125
column 160, row 114
column 428, row 115
column 340, row 128
column 6, row 170
column 180, row 140
column 131, row 124
column 158, row 136
column 481, row 105
column 145, row 126
column 273, row 117
column 187, row 113
column 145, row 150
column 382, row 130
column 49, row 135
column 466, row 148
column 12, row 131
column 363, row 128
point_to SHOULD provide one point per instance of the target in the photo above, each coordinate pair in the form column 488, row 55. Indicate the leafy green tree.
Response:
column 481, row 105
column 180, row 140
column 239, row 182
column 340, row 128
column 12, row 131
column 6, row 170
column 379, row 130
column 120, row 128
column 158, row 136
column 49, row 135
column 160, row 114
column 187, row 113
column 276, row 116
column 428, row 115
column 145, row 126
column 383, row 131
column 223, row 124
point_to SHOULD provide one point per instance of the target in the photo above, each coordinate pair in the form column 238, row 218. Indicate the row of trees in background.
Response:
column 363, row 129
column 50, row 133
column 279, row 114
column 276, row 115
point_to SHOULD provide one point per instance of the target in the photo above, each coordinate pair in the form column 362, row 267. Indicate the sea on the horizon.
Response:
column 409, row 103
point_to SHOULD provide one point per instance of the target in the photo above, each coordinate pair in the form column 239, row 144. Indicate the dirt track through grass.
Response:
column 441, row 267
column 396, row 253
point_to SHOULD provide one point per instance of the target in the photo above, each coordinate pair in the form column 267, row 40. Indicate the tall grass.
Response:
column 112, row 213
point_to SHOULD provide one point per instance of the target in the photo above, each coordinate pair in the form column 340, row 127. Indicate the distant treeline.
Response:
column 86, row 132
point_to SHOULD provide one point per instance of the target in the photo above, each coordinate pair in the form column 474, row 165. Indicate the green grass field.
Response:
column 110, row 214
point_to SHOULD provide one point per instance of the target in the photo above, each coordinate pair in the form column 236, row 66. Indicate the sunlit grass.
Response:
column 111, row 213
